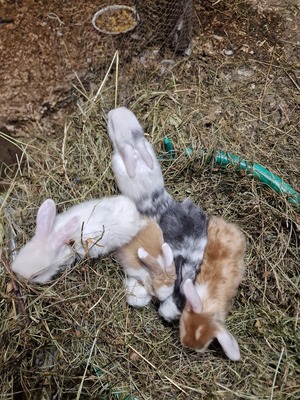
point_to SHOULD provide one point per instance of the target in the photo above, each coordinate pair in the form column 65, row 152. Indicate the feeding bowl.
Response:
column 115, row 19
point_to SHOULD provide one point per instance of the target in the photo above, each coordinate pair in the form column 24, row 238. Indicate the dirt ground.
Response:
column 44, row 47
column 47, row 46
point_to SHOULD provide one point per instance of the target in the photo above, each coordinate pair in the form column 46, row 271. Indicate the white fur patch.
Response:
column 144, row 179
column 137, row 295
column 160, row 261
column 164, row 292
column 198, row 332
column 135, row 301
column 191, row 249
column 142, row 253
column 168, row 310
column 168, row 255
column 141, row 274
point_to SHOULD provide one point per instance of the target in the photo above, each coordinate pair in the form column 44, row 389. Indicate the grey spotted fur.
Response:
column 184, row 224
column 184, row 227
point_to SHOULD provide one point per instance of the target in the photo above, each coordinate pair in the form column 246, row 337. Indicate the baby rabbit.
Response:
column 209, row 300
column 137, row 177
column 184, row 227
column 183, row 224
column 148, row 265
column 124, row 130
column 92, row 228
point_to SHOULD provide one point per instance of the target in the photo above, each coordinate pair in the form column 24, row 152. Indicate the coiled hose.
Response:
column 225, row 159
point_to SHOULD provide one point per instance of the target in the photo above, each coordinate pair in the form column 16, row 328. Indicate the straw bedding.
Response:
column 77, row 337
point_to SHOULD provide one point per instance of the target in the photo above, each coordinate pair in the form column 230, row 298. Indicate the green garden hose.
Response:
column 224, row 159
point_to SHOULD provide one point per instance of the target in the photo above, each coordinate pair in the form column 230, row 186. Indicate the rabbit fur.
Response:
column 92, row 228
column 148, row 265
column 184, row 225
column 137, row 177
column 209, row 299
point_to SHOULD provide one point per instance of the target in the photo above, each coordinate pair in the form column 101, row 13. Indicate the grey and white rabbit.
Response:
column 136, row 168
column 184, row 224
column 184, row 227
column 92, row 228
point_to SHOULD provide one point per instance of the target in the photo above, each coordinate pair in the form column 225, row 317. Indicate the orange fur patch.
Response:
column 150, row 238
column 223, row 267
column 221, row 273
column 196, row 330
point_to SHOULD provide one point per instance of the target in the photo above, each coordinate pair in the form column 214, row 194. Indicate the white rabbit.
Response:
column 91, row 229
column 137, row 177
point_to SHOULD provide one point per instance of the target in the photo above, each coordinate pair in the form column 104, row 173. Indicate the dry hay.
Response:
column 77, row 338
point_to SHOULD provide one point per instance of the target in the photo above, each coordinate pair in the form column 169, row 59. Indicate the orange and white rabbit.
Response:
column 208, row 301
column 148, row 266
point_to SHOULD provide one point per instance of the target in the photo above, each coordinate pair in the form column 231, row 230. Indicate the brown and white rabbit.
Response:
column 148, row 265
column 209, row 300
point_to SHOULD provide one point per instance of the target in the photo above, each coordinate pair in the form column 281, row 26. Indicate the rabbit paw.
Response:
column 137, row 295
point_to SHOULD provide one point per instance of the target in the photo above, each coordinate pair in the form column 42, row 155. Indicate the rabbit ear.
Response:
column 127, row 153
column 168, row 256
column 228, row 343
column 67, row 231
column 149, row 261
column 192, row 296
column 110, row 127
column 142, row 253
column 45, row 218
column 146, row 156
